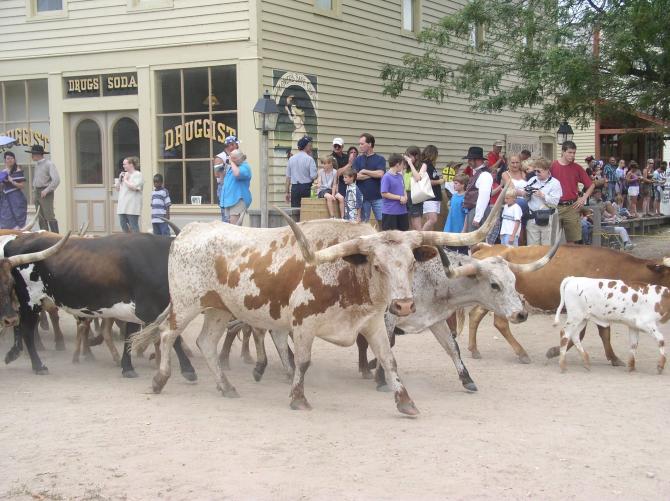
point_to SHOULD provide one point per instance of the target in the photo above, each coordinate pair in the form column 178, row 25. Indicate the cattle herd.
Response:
column 342, row 282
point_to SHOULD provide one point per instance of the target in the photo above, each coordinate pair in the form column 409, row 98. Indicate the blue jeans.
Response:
column 161, row 228
column 225, row 217
column 505, row 240
column 376, row 206
column 129, row 223
column 611, row 191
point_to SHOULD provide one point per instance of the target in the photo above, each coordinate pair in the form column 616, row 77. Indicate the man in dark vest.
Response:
column 478, row 190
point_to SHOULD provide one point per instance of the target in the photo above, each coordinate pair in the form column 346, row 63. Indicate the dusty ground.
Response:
column 83, row 432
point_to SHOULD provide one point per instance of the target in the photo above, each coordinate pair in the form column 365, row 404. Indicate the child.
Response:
column 353, row 198
column 456, row 218
column 160, row 206
column 511, row 220
column 585, row 215
column 326, row 178
column 394, row 207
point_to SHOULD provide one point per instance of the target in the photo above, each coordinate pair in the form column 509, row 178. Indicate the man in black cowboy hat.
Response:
column 478, row 191
column 45, row 182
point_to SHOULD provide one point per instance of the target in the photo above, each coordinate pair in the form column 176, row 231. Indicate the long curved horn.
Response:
column 303, row 243
column 326, row 255
column 241, row 219
column 536, row 265
column 460, row 271
column 40, row 255
column 174, row 227
column 83, row 229
column 33, row 220
column 439, row 238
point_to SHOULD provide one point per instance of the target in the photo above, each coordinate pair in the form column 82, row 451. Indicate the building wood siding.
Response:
column 111, row 25
column 346, row 54
column 585, row 139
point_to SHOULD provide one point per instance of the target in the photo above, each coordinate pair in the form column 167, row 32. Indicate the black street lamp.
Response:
column 564, row 133
column 265, row 120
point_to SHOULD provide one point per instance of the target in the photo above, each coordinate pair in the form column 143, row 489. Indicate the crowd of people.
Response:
column 541, row 194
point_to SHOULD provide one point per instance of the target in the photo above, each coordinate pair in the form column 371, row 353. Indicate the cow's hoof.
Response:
column 190, row 376
column 12, row 355
column 89, row 357
column 95, row 341
column 60, row 345
column 553, row 352
column 75, row 360
column 229, row 393
column 258, row 373
column 524, row 358
column 408, row 408
column 372, row 364
column 300, row 404
column 248, row 359
column 42, row 371
column 367, row 375
column 659, row 369
column 158, row 382
column 470, row 386
column 616, row 362
column 130, row 373
column 117, row 361
column 476, row 354
column 385, row 388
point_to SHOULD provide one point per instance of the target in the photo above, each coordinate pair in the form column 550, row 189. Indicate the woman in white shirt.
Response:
column 130, row 185
column 545, row 193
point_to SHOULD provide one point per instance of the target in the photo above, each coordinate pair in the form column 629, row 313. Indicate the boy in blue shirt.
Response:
column 394, row 206
column 456, row 218
column 160, row 206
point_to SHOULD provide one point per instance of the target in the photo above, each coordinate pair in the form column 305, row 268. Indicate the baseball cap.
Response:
column 338, row 141
column 304, row 141
column 231, row 139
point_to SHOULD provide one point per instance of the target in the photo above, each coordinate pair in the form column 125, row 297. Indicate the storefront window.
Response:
column 89, row 153
column 197, row 109
column 24, row 115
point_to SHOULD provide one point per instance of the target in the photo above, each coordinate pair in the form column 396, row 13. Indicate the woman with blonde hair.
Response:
column 129, row 186
column 412, row 158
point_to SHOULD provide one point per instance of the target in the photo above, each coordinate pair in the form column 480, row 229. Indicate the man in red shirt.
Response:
column 569, row 174
column 494, row 158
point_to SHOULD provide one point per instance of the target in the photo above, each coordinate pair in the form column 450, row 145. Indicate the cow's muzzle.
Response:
column 518, row 317
column 402, row 307
column 10, row 320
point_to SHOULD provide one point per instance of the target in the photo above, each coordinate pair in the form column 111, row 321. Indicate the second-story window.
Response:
column 410, row 15
column 48, row 5
column 324, row 4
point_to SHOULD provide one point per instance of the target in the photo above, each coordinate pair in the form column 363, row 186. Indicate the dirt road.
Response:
column 83, row 432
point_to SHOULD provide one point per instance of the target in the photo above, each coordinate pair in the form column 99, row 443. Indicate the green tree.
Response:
column 537, row 57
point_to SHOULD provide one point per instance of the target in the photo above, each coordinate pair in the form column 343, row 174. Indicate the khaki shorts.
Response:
column 570, row 223
column 236, row 209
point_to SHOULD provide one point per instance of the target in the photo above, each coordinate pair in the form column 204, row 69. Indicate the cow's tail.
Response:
column 149, row 333
column 562, row 303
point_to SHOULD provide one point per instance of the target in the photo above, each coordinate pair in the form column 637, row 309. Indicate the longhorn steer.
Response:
column 641, row 307
column 118, row 276
column 541, row 288
column 442, row 285
column 14, row 295
column 274, row 280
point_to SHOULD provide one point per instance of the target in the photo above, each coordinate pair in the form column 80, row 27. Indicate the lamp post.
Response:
column 265, row 120
column 564, row 133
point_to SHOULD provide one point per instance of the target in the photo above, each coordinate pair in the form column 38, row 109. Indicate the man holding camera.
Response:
column 45, row 182
column 544, row 192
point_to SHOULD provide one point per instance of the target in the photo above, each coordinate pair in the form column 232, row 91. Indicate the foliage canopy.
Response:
column 537, row 56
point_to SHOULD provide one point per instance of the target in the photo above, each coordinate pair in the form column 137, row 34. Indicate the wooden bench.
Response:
column 642, row 225
column 315, row 208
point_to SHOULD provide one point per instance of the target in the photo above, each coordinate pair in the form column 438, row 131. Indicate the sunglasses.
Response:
column 337, row 146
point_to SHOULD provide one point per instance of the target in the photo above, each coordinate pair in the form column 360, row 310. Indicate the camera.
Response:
column 530, row 190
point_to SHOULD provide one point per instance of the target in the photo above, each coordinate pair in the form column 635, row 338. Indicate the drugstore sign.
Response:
column 115, row 84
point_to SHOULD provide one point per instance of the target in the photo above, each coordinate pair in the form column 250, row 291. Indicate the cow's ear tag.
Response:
column 356, row 259
column 424, row 253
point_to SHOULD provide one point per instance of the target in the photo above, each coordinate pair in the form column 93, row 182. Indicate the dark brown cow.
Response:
column 541, row 288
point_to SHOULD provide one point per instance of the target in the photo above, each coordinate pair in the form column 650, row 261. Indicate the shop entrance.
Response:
column 99, row 143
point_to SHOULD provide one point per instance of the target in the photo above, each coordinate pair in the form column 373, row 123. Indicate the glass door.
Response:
column 100, row 142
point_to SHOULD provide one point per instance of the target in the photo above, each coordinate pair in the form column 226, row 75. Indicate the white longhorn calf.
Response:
column 639, row 306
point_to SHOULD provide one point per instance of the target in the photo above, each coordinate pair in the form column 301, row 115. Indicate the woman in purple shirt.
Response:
column 394, row 206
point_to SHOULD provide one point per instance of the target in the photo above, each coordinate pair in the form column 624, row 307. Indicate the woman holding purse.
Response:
column 412, row 157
